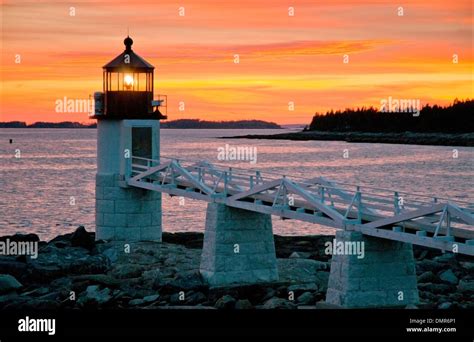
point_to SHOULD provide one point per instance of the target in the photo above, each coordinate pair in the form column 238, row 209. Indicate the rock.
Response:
column 243, row 304
column 95, row 296
column 429, row 265
column 303, row 287
column 81, row 238
column 435, row 288
column 8, row 283
column 55, row 262
column 300, row 270
column 37, row 292
column 151, row 298
column 190, row 280
column 445, row 305
column 111, row 254
column 422, row 255
column 427, row 277
column 278, row 303
column 322, row 279
column 40, row 305
column 225, row 302
column 306, row 298
column 101, row 279
column 9, row 265
column 195, row 298
column 466, row 286
column 127, row 271
column 136, row 302
column 446, row 257
column 449, row 277
column 468, row 265
column 270, row 292
column 300, row 255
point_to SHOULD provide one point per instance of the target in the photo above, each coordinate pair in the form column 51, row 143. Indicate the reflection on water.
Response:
column 50, row 189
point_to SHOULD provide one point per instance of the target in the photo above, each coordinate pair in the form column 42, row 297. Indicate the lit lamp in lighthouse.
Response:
column 128, row 81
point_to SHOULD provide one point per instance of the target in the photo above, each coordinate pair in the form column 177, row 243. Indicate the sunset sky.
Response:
column 283, row 58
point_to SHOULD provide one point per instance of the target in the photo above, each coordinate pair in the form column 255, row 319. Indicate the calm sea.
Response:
column 49, row 190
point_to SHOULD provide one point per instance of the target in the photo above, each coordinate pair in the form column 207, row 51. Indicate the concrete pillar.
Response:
column 124, row 213
column 384, row 277
column 238, row 247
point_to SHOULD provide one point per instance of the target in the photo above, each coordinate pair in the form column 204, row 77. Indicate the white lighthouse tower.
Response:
column 128, row 131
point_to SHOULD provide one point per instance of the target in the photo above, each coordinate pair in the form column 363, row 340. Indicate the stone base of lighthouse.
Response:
column 126, row 214
column 384, row 277
column 238, row 247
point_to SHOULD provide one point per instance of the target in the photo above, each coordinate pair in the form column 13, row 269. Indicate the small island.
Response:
column 433, row 125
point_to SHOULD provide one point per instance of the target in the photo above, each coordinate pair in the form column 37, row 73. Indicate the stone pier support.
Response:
column 384, row 277
column 238, row 247
column 126, row 214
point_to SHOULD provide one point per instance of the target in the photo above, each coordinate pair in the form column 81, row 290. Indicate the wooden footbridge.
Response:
column 407, row 217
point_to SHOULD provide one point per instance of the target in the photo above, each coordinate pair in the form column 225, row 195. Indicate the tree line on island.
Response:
column 455, row 118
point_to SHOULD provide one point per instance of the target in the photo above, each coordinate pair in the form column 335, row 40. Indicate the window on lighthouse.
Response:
column 142, row 143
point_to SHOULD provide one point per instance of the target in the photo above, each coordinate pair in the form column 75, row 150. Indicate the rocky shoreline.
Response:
column 410, row 138
column 73, row 271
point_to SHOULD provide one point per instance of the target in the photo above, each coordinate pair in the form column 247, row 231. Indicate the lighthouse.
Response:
column 128, row 133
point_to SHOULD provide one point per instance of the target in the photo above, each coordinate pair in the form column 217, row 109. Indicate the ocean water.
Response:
column 49, row 189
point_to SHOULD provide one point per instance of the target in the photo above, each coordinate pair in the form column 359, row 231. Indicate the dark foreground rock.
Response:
column 74, row 271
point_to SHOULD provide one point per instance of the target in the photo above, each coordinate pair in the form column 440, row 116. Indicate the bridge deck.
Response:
column 413, row 218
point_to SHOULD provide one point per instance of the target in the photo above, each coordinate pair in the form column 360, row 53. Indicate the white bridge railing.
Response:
column 409, row 217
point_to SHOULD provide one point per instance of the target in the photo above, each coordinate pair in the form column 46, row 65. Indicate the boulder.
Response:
column 427, row 277
column 81, row 238
column 53, row 262
column 445, row 305
column 429, row 265
column 136, row 302
column 93, row 295
column 306, row 298
column 151, row 298
column 194, row 298
column 189, row 280
column 466, row 286
column 225, row 302
column 243, row 304
column 9, row 265
column 8, row 283
column 127, row 271
column 101, row 279
column 448, row 276
column 468, row 265
column 435, row 288
column 278, row 303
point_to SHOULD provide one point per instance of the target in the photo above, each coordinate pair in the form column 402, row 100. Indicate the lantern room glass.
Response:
column 128, row 81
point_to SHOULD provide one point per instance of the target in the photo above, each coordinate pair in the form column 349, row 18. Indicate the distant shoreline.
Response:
column 410, row 138
column 181, row 124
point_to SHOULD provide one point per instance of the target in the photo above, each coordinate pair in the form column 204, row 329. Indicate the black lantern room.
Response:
column 127, row 88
